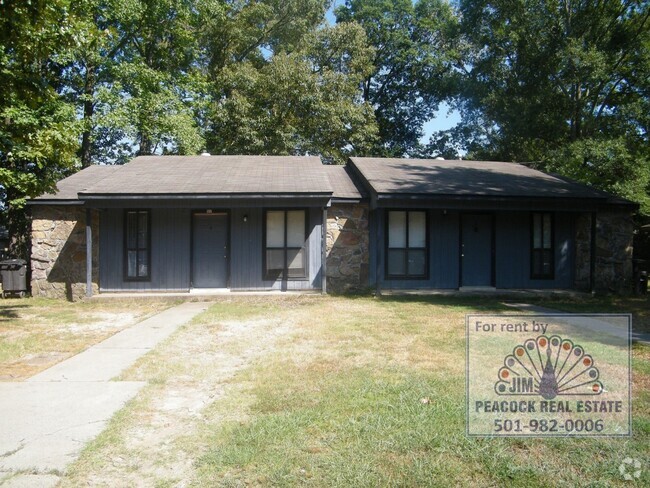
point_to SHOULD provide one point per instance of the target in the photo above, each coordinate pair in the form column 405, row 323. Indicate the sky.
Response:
column 442, row 120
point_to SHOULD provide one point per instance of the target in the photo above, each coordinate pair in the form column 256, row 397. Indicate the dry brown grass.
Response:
column 37, row 333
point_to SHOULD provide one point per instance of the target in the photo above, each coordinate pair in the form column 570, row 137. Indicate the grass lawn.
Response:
column 333, row 391
column 36, row 333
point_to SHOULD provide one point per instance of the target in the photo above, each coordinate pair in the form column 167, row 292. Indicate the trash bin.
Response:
column 14, row 277
column 642, row 283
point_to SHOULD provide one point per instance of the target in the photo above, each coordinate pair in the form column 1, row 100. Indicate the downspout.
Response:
column 378, row 250
column 323, row 266
column 592, row 255
column 89, row 254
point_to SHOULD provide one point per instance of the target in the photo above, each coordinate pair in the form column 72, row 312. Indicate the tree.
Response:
column 302, row 102
column 38, row 128
column 90, row 77
column 412, row 68
column 153, row 75
column 559, row 83
column 279, row 83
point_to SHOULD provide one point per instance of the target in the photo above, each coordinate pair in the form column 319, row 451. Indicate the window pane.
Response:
column 537, row 231
column 275, row 229
column 142, row 229
column 143, row 263
column 397, row 229
column 547, row 231
column 296, row 263
column 547, row 263
column 274, row 259
column 416, row 263
column 131, row 259
column 295, row 228
column 131, row 230
column 417, row 229
column 396, row 262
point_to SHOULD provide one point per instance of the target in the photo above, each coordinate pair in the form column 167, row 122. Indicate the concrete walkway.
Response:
column 591, row 324
column 46, row 420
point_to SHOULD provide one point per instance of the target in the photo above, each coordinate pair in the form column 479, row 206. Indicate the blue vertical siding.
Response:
column 170, row 251
column 513, row 251
column 246, row 258
column 445, row 248
column 511, row 248
column 246, row 249
column 443, row 252
column 171, row 256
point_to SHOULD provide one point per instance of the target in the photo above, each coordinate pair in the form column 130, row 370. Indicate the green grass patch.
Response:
column 326, row 419
column 361, row 392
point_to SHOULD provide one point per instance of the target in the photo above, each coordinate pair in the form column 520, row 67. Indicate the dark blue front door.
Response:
column 210, row 251
column 476, row 250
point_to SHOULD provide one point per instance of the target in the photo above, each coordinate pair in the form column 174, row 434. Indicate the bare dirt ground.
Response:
column 37, row 333
column 163, row 432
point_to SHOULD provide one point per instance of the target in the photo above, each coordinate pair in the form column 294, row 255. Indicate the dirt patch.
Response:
column 163, row 439
column 103, row 321
column 35, row 341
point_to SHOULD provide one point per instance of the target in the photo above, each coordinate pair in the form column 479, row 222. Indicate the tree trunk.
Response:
column 146, row 146
column 89, row 109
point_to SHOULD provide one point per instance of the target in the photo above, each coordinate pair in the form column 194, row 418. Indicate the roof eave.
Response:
column 54, row 201
column 204, row 196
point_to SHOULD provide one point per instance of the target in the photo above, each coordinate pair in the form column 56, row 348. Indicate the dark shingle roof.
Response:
column 215, row 175
column 343, row 185
column 435, row 177
column 68, row 188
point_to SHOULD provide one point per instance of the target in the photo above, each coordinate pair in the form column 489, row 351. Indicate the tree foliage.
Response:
column 560, row 83
column 305, row 101
column 38, row 129
column 412, row 67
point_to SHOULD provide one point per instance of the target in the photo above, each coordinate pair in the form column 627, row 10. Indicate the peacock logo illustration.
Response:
column 550, row 367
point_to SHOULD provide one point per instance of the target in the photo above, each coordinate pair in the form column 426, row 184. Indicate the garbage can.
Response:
column 14, row 277
column 642, row 283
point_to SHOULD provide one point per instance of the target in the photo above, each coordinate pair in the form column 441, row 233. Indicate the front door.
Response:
column 210, row 250
column 476, row 250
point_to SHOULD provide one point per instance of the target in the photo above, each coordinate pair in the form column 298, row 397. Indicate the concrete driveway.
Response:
column 47, row 420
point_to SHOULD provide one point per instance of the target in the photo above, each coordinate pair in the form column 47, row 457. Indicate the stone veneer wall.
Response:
column 614, row 246
column 347, row 247
column 582, row 252
column 59, row 251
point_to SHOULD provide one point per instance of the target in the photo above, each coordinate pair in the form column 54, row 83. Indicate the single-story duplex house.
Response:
column 190, row 223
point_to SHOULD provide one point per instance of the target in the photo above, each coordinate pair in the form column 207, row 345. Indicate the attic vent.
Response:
column 205, row 154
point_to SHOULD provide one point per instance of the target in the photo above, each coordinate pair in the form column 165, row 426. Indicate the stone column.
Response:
column 347, row 247
column 58, row 257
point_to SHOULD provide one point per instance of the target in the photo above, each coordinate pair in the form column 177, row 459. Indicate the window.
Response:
column 284, row 251
column 137, row 244
column 541, row 261
column 407, row 244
